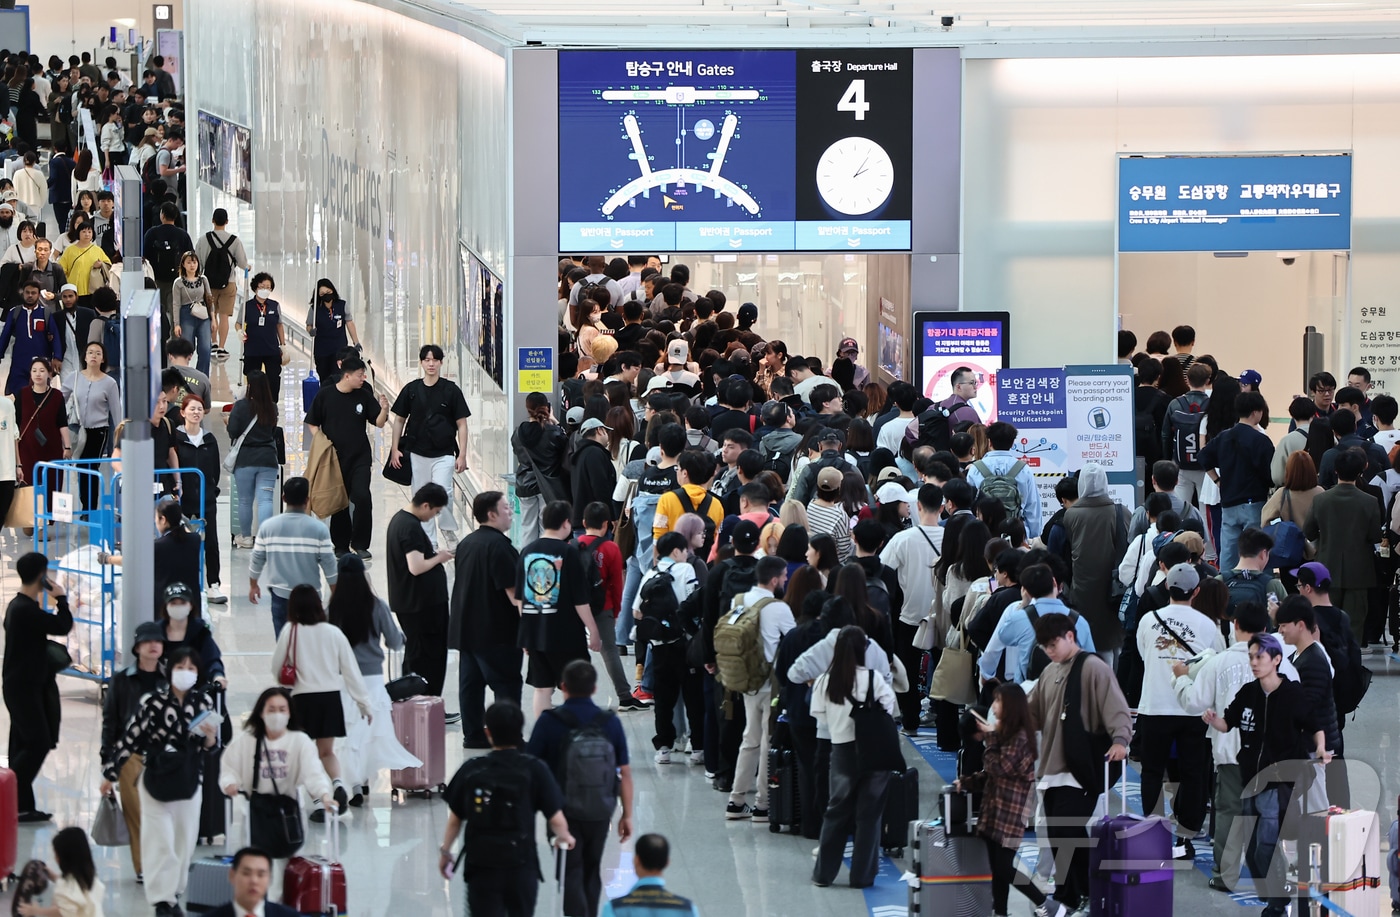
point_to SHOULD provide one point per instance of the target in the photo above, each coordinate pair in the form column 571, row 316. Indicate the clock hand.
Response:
column 862, row 167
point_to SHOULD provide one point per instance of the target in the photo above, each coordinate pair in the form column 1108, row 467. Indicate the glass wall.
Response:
column 378, row 143
column 1040, row 164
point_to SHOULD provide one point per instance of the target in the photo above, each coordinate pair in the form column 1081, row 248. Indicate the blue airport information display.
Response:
column 735, row 150
column 1234, row 203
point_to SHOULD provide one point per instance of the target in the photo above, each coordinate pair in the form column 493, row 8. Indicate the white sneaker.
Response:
column 663, row 756
column 697, row 758
column 242, row 541
column 214, row 595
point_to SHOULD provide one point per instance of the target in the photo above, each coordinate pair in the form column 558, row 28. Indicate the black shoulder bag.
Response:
column 274, row 820
column 877, row 737
column 173, row 771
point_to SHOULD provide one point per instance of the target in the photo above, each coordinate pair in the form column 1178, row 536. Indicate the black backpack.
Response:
column 587, row 771
column 661, row 610
column 1246, row 586
column 934, row 430
column 150, row 171
column 877, row 593
column 1350, row 679
column 1184, row 415
column 1038, row 658
column 1149, row 438
column 593, row 573
column 497, row 792
column 219, row 268
column 703, row 512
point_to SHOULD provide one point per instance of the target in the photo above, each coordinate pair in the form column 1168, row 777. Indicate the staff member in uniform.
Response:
column 263, row 334
column 331, row 325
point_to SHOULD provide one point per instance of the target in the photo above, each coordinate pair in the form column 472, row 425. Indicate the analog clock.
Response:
column 855, row 175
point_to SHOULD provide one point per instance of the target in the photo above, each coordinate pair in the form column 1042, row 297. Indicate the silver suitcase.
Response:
column 208, row 883
column 953, row 875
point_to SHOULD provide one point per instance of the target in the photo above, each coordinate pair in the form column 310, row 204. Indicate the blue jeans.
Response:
column 279, row 613
column 196, row 331
column 1268, row 808
column 1233, row 521
column 254, row 483
column 629, row 595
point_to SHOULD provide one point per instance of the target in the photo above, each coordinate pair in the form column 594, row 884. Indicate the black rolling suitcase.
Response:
column 901, row 808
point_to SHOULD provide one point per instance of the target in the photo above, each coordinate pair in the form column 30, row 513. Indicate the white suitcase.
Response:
column 1348, row 859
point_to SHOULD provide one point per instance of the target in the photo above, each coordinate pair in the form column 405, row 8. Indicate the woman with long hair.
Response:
column 85, row 176
column 325, row 667
column 969, row 567
column 857, row 802
column 860, row 442
column 823, row 556
column 165, row 732
column 1293, row 501
column 1007, row 784
column 77, row 892
column 855, row 496
column 43, row 427
column 540, row 445
column 851, row 584
column 191, row 301
column 254, row 418
column 875, row 399
column 332, row 327
column 269, row 755
column 199, row 493
column 587, row 316
column 1173, row 382
column 364, row 618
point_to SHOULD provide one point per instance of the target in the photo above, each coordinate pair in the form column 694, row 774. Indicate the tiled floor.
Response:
column 730, row 868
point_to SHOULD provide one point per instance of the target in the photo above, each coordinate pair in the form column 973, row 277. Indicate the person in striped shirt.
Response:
column 291, row 549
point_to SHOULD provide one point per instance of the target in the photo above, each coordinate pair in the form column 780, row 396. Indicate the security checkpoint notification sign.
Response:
column 1068, row 417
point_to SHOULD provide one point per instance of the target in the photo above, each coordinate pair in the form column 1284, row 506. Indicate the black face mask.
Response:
column 327, row 297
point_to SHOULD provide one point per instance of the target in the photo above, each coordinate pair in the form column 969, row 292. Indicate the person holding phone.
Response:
column 175, row 722
column 30, row 682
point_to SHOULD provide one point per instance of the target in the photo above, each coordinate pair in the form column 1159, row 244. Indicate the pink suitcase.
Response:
column 9, row 824
column 420, row 724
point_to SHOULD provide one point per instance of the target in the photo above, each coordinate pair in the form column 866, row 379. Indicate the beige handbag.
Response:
column 955, row 678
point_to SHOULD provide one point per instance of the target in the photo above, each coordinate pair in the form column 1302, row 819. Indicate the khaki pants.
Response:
column 226, row 300
column 128, row 782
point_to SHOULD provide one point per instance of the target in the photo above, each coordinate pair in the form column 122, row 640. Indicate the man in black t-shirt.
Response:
column 436, row 431
column 342, row 410
column 484, row 621
column 500, row 865
column 556, row 619
column 418, row 586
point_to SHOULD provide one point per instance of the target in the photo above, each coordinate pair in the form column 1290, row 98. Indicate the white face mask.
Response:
column 262, row 294
column 276, row 722
column 992, row 717
column 178, row 612
column 183, row 679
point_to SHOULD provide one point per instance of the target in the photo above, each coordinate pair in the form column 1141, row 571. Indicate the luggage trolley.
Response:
column 73, row 537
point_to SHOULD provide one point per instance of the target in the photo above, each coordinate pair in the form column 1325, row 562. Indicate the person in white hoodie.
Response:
column 267, row 757
column 1166, row 636
column 672, row 680
column 321, row 664
column 1212, row 685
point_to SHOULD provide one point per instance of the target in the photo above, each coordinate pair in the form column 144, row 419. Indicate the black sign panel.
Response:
column 855, row 140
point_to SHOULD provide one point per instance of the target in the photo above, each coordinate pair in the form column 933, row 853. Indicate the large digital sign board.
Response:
column 735, row 150
column 1234, row 203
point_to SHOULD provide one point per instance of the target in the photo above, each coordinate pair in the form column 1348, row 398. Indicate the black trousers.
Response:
column 209, row 512
column 7, row 496
column 353, row 526
column 496, row 667
column 34, row 722
column 90, row 485
column 268, row 366
column 856, row 808
column 425, row 645
column 1188, row 733
column 1005, row 874
column 583, row 875
column 904, row 648
column 503, row 892
column 728, row 711
column 1067, row 811
column 327, row 370
column 672, row 682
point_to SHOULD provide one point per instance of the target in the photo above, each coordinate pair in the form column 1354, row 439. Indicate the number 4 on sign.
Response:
column 853, row 99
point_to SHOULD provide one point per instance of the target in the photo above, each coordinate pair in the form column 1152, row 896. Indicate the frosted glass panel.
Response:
column 1041, row 141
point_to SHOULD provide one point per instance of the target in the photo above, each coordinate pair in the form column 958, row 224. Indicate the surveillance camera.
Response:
column 947, row 22
column 1288, row 258
column 1289, row 261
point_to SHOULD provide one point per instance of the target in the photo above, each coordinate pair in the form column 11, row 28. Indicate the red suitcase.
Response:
column 420, row 724
column 316, row 884
column 9, row 823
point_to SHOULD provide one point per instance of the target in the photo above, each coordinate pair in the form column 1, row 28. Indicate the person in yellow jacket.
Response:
column 78, row 259
column 693, row 474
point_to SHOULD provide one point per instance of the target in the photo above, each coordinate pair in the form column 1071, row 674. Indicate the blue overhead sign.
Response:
column 1234, row 203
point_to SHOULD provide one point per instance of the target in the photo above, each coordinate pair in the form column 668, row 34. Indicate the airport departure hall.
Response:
column 960, row 478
